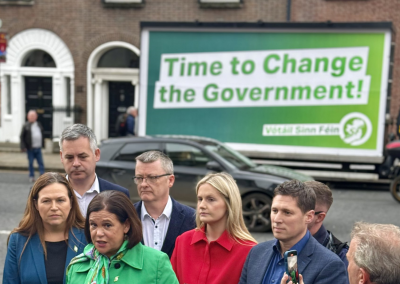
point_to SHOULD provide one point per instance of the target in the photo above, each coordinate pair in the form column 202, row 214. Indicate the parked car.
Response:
column 193, row 158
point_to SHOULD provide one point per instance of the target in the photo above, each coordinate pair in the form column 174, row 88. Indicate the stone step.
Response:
column 50, row 147
column 9, row 147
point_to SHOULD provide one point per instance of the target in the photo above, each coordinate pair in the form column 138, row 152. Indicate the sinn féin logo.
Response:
column 355, row 128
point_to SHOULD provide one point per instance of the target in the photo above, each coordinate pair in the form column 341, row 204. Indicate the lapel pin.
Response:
column 116, row 278
column 75, row 248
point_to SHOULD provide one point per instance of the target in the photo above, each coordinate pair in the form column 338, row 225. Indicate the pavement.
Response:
column 11, row 158
column 18, row 161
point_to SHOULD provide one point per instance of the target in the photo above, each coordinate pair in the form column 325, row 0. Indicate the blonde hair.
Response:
column 227, row 187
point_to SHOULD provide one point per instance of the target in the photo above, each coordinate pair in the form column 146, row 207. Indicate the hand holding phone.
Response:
column 286, row 278
column 290, row 258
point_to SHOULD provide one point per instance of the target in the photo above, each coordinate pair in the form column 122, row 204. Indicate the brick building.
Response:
column 85, row 53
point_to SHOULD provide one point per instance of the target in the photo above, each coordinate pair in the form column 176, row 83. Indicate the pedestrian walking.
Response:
column 120, row 126
column 130, row 121
column 32, row 142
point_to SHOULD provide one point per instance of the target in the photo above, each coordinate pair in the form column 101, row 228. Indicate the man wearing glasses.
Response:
column 323, row 236
column 163, row 218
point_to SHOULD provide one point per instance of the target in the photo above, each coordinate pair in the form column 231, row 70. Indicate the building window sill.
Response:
column 123, row 3
column 221, row 3
column 17, row 2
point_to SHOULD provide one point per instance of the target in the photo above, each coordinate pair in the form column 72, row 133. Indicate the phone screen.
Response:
column 292, row 268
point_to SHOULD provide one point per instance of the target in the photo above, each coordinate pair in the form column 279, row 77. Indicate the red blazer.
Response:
column 195, row 261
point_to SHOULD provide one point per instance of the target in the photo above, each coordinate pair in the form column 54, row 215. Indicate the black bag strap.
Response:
column 337, row 244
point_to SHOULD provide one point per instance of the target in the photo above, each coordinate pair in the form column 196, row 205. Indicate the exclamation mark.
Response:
column 360, row 83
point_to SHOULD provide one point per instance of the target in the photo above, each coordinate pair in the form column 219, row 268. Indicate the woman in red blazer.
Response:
column 216, row 250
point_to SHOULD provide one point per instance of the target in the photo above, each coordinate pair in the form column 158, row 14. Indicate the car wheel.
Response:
column 395, row 188
column 257, row 211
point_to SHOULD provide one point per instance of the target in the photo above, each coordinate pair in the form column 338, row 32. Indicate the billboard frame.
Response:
column 326, row 27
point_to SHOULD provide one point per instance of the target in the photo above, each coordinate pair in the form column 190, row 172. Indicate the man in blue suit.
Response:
column 79, row 154
column 292, row 210
column 163, row 218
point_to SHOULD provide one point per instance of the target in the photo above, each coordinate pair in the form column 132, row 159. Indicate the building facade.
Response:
column 78, row 61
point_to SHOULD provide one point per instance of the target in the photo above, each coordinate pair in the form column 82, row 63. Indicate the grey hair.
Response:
column 76, row 131
column 128, row 111
column 152, row 156
column 378, row 251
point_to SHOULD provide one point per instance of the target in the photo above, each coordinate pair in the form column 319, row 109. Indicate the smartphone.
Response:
column 290, row 258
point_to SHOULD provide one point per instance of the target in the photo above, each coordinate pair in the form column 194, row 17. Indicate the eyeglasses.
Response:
column 319, row 212
column 149, row 179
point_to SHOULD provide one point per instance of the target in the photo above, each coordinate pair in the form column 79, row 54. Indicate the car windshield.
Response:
column 231, row 156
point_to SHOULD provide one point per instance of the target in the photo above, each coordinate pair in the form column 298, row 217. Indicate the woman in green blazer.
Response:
column 114, row 252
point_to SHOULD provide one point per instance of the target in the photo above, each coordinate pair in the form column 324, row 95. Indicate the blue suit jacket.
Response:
column 106, row 185
column 317, row 264
column 183, row 218
column 31, row 267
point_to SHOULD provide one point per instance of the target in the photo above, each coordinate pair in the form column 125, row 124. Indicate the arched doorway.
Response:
column 113, row 85
column 38, row 74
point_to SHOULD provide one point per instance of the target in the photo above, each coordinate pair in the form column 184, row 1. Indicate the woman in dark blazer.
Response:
column 49, row 235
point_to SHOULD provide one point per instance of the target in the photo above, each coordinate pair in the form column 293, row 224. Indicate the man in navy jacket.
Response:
column 292, row 210
column 163, row 218
column 317, row 229
column 79, row 154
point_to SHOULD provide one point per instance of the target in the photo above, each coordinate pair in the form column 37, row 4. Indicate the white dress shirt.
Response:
column 85, row 199
column 155, row 230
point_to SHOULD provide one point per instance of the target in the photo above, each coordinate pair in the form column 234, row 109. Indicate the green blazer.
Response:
column 140, row 264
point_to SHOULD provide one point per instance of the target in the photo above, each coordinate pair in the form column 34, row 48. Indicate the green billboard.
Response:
column 291, row 91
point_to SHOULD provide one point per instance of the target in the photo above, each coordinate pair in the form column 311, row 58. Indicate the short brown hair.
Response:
column 304, row 195
column 119, row 204
column 322, row 192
